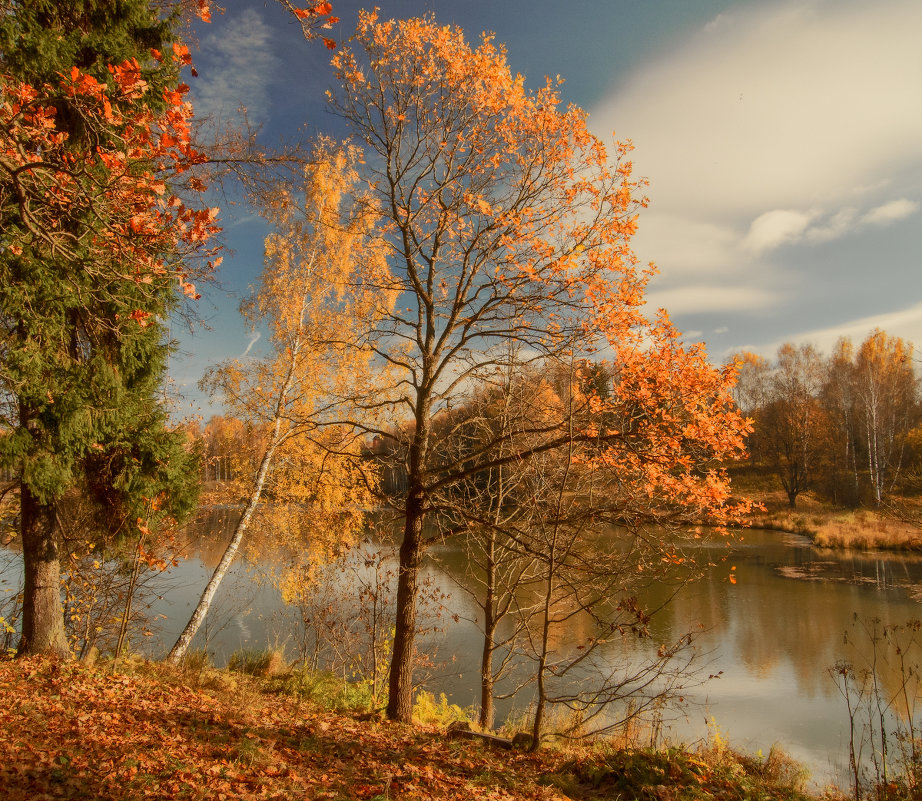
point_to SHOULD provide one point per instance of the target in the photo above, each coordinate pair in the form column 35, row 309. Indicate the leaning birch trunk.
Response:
column 178, row 651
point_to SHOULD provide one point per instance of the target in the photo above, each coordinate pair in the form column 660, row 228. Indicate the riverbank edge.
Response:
column 840, row 528
column 136, row 729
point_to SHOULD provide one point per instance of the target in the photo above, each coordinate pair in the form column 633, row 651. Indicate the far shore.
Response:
column 894, row 527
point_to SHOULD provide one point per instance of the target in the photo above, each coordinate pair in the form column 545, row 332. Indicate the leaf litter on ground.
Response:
column 139, row 730
column 68, row 731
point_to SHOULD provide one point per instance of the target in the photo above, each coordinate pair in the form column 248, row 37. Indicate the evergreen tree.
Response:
column 91, row 255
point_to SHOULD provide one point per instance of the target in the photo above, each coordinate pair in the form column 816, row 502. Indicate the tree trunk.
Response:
column 541, row 672
column 489, row 640
column 400, row 682
column 487, row 711
column 42, row 613
column 540, row 675
column 178, row 651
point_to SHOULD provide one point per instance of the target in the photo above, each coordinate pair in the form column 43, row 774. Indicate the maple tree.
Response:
column 558, row 550
column 323, row 268
column 605, row 520
column 508, row 222
column 95, row 251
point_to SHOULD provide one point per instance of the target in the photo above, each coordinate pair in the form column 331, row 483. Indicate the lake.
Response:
column 772, row 636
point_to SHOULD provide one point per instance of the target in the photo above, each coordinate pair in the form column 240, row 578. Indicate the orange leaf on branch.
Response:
column 511, row 225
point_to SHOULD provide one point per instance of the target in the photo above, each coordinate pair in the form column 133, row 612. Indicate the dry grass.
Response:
column 867, row 531
column 829, row 527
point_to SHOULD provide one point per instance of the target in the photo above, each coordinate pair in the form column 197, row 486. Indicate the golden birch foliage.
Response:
column 321, row 281
column 319, row 286
column 885, row 387
column 315, row 502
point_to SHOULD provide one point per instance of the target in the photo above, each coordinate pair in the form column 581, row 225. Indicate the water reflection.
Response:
column 774, row 635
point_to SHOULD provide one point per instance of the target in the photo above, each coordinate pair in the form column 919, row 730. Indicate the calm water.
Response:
column 772, row 636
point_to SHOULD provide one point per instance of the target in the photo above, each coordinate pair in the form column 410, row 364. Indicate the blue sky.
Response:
column 782, row 142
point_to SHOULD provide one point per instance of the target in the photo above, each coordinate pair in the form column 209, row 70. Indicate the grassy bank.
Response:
column 857, row 529
column 142, row 730
column 834, row 527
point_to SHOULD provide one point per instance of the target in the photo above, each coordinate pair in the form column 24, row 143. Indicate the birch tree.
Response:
column 323, row 266
column 840, row 404
column 885, row 386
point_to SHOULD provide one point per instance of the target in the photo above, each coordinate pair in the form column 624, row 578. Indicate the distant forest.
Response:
column 846, row 426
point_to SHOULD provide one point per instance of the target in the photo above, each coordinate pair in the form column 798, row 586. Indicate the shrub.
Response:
column 327, row 690
column 269, row 662
column 429, row 712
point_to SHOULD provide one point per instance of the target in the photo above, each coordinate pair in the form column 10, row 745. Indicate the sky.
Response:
column 782, row 142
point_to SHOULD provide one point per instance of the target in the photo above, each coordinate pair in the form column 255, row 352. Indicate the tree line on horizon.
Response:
column 846, row 426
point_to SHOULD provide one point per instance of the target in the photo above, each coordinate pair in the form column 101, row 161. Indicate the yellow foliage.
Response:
column 324, row 282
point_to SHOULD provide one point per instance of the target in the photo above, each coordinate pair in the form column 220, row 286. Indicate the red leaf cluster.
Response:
column 115, row 174
column 316, row 17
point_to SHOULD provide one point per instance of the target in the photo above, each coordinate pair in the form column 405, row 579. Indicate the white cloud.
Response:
column 698, row 298
column 775, row 228
column 891, row 212
column 787, row 226
column 780, row 123
column 239, row 66
column 833, row 226
column 677, row 243
column 777, row 106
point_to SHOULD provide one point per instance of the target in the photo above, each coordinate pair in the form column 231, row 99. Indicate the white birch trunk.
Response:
column 178, row 651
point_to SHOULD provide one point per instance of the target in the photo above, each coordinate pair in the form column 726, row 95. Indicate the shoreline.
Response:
column 827, row 526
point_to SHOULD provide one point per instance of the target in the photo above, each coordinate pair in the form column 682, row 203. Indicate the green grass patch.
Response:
column 325, row 689
column 678, row 774
column 266, row 662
